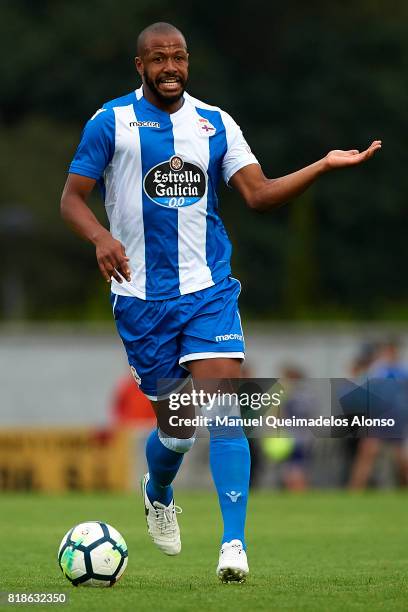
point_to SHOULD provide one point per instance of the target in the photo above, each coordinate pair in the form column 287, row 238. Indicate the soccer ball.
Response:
column 93, row 554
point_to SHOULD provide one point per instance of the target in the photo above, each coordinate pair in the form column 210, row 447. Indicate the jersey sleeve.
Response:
column 238, row 152
column 97, row 145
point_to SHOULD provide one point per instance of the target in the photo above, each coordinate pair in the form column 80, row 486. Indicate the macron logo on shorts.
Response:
column 228, row 337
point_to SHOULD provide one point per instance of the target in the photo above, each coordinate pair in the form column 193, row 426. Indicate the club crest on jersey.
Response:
column 205, row 127
column 175, row 183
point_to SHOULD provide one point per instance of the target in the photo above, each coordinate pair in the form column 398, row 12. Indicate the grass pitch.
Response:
column 311, row 552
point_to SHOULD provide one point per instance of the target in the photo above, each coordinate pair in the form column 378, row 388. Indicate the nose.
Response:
column 170, row 66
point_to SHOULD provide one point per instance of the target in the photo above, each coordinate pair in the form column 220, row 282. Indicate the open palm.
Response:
column 341, row 159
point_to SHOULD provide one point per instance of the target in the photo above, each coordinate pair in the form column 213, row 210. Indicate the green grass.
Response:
column 312, row 552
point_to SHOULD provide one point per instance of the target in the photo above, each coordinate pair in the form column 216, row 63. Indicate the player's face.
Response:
column 164, row 67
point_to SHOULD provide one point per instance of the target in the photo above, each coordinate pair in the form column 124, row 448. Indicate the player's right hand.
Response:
column 112, row 259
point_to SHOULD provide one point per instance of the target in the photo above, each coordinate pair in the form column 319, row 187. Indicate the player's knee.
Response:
column 179, row 445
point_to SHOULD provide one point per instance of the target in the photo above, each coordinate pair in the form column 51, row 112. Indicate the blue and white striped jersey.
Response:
column 159, row 173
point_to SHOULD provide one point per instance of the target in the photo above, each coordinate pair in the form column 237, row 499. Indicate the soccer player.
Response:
column 158, row 155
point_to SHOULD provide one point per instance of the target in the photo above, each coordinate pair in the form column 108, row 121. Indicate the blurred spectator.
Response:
column 254, row 445
column 385, row 364
column 130, row 407
column 294, row 452
column 359, row 368
column 388, row 363
column 364, row 360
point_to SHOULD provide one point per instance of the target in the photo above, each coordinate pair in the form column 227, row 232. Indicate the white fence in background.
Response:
column 56, row 376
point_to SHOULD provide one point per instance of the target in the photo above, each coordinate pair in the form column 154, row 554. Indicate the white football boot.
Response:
column 233, row 563
column 162, row 522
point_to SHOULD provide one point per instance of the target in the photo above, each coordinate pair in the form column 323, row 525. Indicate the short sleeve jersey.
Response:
column 159, row 174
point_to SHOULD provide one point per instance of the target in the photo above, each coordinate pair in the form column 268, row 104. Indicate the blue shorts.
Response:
column 161, row 336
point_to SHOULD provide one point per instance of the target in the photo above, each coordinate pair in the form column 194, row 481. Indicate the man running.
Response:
column 158, row 155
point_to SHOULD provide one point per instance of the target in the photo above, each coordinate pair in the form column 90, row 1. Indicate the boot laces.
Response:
column 165, row 516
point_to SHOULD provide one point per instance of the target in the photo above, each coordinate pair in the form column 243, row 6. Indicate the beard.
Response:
column 166, row 99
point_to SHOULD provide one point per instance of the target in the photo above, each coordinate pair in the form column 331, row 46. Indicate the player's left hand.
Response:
column 342, row 159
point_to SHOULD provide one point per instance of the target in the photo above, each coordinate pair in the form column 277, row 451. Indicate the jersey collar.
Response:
column 154, row 109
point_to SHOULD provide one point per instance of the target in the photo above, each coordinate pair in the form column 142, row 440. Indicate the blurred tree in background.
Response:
column 300, row 78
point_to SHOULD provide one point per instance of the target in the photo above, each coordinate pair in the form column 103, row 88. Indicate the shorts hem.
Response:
column 211, row 355
column 158, row 398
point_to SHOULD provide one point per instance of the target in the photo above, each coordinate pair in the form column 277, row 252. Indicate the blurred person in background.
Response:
column 384, row 362
column 294, row 451
column 388, row 363
column 364, row 360
column 257, row 463
column 358, row 370
column 130, row 407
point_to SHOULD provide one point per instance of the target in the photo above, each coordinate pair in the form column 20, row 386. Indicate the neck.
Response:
column 167, row 107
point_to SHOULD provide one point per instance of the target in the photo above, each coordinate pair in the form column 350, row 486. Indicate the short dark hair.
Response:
column 160, row 27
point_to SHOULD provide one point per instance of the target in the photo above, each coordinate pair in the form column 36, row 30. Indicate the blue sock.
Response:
column 230, row 463
column 163, row 466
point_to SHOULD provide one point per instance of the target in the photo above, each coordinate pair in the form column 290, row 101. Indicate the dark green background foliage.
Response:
column 300, row 78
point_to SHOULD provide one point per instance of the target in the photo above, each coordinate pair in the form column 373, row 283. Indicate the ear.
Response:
column 139, row 65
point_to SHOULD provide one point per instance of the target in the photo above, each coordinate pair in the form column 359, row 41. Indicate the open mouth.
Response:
column 169, row 84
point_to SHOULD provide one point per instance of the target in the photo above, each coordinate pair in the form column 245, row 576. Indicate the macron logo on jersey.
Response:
column 148, row 124
column 228, row 337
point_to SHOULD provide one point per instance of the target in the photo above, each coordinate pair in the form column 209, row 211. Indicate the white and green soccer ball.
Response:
column 93, row 554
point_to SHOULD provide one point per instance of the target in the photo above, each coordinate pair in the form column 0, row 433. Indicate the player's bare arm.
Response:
column 261, row 193
column 110, row 253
